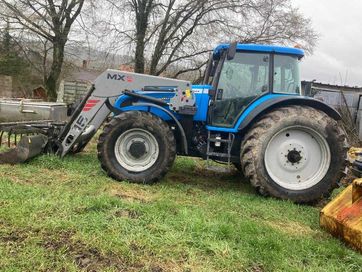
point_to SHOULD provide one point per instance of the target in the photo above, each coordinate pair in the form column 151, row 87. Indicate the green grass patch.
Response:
column 67, row 215
column 4, row 147
column 5, row 141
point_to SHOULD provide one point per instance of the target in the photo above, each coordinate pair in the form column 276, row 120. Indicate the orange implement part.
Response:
column 343, row 215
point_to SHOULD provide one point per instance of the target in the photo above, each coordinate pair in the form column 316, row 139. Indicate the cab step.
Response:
column 211, row 153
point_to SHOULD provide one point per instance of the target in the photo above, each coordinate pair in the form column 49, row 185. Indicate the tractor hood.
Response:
column 201, row 87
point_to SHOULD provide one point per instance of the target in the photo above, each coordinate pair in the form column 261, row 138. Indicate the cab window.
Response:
column 286, row 74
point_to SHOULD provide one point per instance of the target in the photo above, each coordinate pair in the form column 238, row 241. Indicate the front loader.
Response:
column 249, row 112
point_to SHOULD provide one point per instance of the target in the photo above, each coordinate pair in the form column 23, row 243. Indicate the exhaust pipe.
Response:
column 27, row 148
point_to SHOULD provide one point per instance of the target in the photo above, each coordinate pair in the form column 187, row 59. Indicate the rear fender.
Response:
column 277, row 101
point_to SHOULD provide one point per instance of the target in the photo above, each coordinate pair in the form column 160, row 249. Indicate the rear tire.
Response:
column 137, row 147
column 296, row 153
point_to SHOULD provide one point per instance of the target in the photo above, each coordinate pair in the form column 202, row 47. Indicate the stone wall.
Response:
column 6, row 86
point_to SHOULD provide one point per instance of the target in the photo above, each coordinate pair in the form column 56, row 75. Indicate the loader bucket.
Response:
column 342, row 217
column 27, row 148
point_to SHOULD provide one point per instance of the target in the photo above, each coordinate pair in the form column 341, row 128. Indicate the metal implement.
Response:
column 28, row 147
column 20, row 110
column 21, row 141
column 342, row 217
column 26, row 126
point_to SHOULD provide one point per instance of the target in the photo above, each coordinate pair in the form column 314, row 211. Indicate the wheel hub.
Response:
column 294, row 156
column 137, row 149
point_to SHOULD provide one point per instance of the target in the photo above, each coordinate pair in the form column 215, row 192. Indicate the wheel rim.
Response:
column 297, row 158
column 136, row 150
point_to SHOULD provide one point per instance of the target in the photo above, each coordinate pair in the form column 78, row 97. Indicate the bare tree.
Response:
column 166, row 33
column 50, row 20
column 273, row 22
column 142, row 10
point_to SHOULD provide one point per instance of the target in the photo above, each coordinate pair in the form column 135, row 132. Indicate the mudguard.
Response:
column 287, row 100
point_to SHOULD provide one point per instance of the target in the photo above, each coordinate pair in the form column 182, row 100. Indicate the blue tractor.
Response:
column 249, row 112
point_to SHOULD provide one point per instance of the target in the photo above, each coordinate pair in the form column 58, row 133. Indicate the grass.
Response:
column 4, row 142
column 3, row 148
column 67, row 215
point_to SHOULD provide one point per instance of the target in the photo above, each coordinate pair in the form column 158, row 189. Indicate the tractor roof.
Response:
column 260, row 48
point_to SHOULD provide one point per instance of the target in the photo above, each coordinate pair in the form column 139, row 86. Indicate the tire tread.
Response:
column 153, row 122
column 252, row 142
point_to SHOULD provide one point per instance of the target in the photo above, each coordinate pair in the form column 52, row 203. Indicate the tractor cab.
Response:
column 240, row 74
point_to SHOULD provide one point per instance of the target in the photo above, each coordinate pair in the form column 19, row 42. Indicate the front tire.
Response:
column 296, row 153
column 137, row 147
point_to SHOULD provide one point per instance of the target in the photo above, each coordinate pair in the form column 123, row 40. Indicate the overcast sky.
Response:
column 339, row 50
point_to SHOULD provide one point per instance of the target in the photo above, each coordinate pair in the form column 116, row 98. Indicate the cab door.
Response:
column 241, row 80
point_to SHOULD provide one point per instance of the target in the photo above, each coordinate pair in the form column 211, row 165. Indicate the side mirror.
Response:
column 231, row 51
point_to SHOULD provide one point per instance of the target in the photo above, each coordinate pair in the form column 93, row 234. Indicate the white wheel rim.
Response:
column 290, row 170
column 146, row 146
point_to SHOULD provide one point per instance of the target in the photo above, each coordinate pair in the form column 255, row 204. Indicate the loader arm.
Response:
column 97, row 105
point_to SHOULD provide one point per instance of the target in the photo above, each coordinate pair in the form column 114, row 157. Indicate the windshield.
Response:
column 286, row 74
